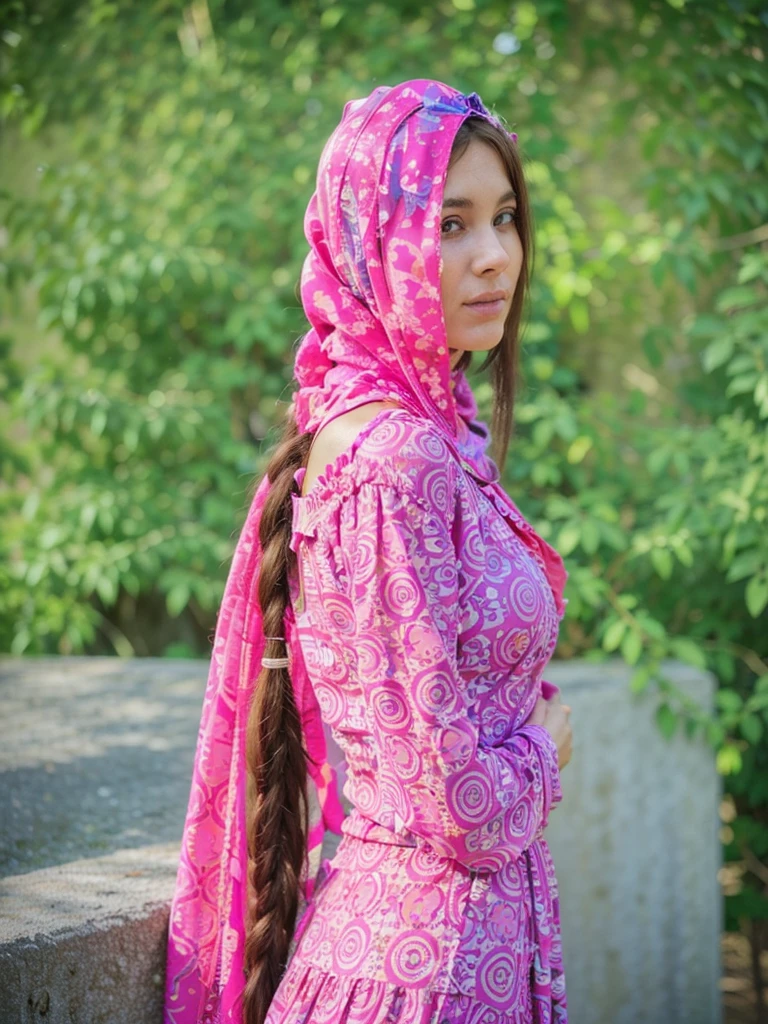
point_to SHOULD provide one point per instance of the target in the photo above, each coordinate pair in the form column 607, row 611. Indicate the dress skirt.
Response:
column 398, row 935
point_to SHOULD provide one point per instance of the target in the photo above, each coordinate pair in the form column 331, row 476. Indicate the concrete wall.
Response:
column 636, row 848
column 94, row 780
column 95, row 766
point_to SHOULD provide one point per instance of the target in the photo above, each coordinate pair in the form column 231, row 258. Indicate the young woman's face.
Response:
column 482, row 254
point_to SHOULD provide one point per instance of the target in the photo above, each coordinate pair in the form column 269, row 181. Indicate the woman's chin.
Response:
column 475, row 343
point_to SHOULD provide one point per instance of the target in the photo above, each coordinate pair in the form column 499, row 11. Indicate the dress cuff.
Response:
column 549, row 763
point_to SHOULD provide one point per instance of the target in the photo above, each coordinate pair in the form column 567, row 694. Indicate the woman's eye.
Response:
column 447, row 224
column 453, row 226
column 512, row 214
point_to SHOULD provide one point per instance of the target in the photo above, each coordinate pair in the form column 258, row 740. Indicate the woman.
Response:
column 390, row 590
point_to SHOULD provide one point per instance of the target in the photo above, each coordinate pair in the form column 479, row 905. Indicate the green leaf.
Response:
column 751, row 729
column 651, row 349
column 741, row 384
column 106, row 588
column 21, row 641
column 578, row 449
column 631, row 646
column 736, row 298
column 745, row 564
column 640, row 679
column 568, row 539
column 658, row 461
column 666, row 720
column 177, row 599
column 729, row 760
column 728, row 700
column 652, row 626
column 614, row 634
column 579, row 314
column 88, row 514
column 756, row 595
column 98, row 421
column 684, row 555
column 590, row 536
column 757, row 702
column 661, row 559
column 717, row 353
column 688, row 650
column 715, row 733
column 707, row 326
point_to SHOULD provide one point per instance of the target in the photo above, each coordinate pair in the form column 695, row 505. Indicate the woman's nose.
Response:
column 489, row 254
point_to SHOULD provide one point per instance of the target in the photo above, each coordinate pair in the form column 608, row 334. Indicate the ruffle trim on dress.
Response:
column 311, row 996
column 327, row 482
column 342, row 477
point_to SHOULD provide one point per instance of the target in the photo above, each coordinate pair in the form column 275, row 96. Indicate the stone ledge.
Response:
column 98, row 756
column 85, row 942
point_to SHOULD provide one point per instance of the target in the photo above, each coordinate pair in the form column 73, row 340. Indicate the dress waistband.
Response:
column 356, row 826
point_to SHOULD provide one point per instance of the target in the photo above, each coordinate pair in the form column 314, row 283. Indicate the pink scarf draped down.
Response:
column 370, row 288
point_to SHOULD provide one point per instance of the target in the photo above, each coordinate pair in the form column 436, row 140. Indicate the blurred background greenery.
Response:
column 157, row 159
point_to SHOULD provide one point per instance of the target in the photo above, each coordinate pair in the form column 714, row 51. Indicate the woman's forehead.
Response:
column 478, row 175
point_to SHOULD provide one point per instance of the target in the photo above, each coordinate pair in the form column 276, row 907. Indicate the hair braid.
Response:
column 277, row 762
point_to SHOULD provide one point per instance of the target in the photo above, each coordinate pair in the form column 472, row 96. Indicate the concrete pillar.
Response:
column 636, row 848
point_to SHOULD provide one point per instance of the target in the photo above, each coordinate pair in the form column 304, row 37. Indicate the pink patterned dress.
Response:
column 425, row 619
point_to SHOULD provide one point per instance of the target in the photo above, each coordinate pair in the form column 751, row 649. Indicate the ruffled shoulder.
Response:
column 396, row 449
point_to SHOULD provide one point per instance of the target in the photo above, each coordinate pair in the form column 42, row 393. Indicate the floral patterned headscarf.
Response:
column 371, row 291
column 371, row 282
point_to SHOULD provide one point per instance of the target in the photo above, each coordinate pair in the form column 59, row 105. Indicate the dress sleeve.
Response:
column 481, row 803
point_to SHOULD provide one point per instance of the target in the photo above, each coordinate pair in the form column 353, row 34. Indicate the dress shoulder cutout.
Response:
column 396, row 449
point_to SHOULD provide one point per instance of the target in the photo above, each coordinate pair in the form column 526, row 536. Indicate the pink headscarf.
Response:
column 371, row 291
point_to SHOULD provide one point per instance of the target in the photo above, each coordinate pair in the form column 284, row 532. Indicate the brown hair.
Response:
column 277, row 760
column 503, row 359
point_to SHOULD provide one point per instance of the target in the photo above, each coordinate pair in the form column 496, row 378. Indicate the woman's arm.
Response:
column 480, row 803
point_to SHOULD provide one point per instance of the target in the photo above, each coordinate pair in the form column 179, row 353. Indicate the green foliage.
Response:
column 162, row 237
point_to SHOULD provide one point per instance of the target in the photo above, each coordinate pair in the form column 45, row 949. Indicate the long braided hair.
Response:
column 277, row 761
column 277, row 820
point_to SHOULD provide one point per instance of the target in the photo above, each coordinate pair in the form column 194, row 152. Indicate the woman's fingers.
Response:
column 539, row 713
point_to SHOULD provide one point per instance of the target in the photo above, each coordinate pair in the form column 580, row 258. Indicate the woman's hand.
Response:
column 555, row 717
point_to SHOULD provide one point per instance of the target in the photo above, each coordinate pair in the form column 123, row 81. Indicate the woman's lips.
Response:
column 486, row 309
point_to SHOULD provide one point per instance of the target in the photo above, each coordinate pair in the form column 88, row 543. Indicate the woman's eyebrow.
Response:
column 459, row 203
